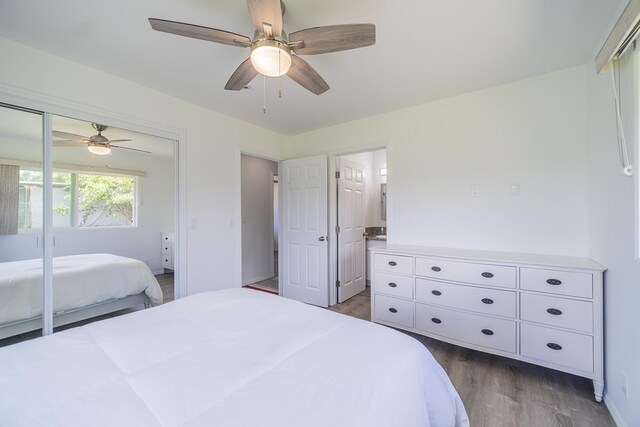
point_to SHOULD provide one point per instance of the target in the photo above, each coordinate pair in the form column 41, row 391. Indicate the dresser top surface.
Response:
column 493, row 256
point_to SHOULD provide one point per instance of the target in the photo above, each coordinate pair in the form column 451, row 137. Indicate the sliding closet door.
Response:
column 22, row 217
column 112, row 208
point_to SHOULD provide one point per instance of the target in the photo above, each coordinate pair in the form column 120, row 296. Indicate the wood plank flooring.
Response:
column 501, row 392
column 268, row 284
column 166, row 283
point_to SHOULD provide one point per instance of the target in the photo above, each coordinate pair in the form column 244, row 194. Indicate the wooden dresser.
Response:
column 546, row 310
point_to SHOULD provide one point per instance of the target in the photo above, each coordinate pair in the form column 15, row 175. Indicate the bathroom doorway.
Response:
column 259, row 223
column 361, row 189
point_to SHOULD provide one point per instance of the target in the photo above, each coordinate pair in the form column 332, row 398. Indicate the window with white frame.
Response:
column 79, row 200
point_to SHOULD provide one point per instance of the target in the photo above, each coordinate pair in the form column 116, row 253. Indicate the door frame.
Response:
column 55, row 106
column 333, row 211
column 240, row 150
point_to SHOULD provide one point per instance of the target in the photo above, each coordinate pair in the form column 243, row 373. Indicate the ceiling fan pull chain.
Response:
column 279, row 73
column 264, row 94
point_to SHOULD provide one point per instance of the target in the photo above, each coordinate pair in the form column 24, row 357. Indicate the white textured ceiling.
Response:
column 425, row 50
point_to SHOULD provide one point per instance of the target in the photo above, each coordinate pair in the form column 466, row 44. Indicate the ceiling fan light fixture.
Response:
column 99, row 149
column 271, row 58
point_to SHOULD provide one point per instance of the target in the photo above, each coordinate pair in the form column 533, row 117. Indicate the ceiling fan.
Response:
column 273, row 53
column 96, row 144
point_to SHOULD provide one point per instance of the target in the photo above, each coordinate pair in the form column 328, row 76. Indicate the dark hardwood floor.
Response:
column 501, row 392
column 166, row 283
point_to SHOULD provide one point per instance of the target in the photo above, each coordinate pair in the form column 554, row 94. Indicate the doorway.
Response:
column 259, row 223
column 361, row 223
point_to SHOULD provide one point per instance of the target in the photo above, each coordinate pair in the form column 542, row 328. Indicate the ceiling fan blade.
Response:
column 332, row 38
column 198, row 32
column 69, row 143
column 307, row 77
column 242, row 76
column 127, row 148
column 111, row 141
column 266, row 12
column 67, row 135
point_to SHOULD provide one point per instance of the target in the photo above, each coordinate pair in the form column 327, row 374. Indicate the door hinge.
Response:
column 338, row 174
column 337, row 228
column 337, row 283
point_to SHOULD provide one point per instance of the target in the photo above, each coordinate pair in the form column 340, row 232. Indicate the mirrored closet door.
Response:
column 87, row 222
column 113, row 220
column 22, row 219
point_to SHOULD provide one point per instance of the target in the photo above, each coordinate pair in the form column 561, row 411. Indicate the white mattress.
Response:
column 78, row 281
column 230, row 358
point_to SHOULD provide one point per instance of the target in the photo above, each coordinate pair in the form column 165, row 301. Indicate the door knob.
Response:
column 322, row 238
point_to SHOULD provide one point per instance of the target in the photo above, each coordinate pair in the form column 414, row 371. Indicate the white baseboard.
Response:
column 615, row 414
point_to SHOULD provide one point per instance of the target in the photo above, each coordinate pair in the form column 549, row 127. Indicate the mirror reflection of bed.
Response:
column 113, row 204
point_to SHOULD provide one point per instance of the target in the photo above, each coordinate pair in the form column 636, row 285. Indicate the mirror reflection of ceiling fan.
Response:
column 273, row 53
column 96, row 144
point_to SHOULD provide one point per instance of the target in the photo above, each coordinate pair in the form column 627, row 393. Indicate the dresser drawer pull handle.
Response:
column 392, row 285
column 554, row 311
column 393, row 263
column 487, row 331
column 393, row 310
column 436, row 320
column 487, row 300
column 554, row 346
column 436, row 268
column 436, row 293
column 554, row 282
column 487, row 275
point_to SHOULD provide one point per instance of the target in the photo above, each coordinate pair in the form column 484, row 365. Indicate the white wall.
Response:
column 611, row 239
column 531, row 132
column 257, row 218
column 212, row 142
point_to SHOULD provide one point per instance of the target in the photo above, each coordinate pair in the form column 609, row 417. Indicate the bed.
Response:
column 235, row 357
column 84, row 286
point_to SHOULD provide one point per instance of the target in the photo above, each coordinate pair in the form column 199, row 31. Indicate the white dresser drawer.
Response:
column 393, row 310
column 393, row 284
column 393, row 263
column 557, row 282
column 167, row 248
column 556, row 311
column 167, row 237
column 481, row 274
column 167, row 261
column 563, row 348
column 484, row 331
column 481, row 300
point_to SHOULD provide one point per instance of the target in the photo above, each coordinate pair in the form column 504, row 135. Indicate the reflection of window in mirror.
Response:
column 383, row 201
column 79, row 199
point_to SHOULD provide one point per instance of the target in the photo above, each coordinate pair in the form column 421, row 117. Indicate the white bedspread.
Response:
column 229, row 358
column 78, row 281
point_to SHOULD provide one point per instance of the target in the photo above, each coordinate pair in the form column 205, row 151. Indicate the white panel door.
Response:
column 304, row 246
column 351, row 242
